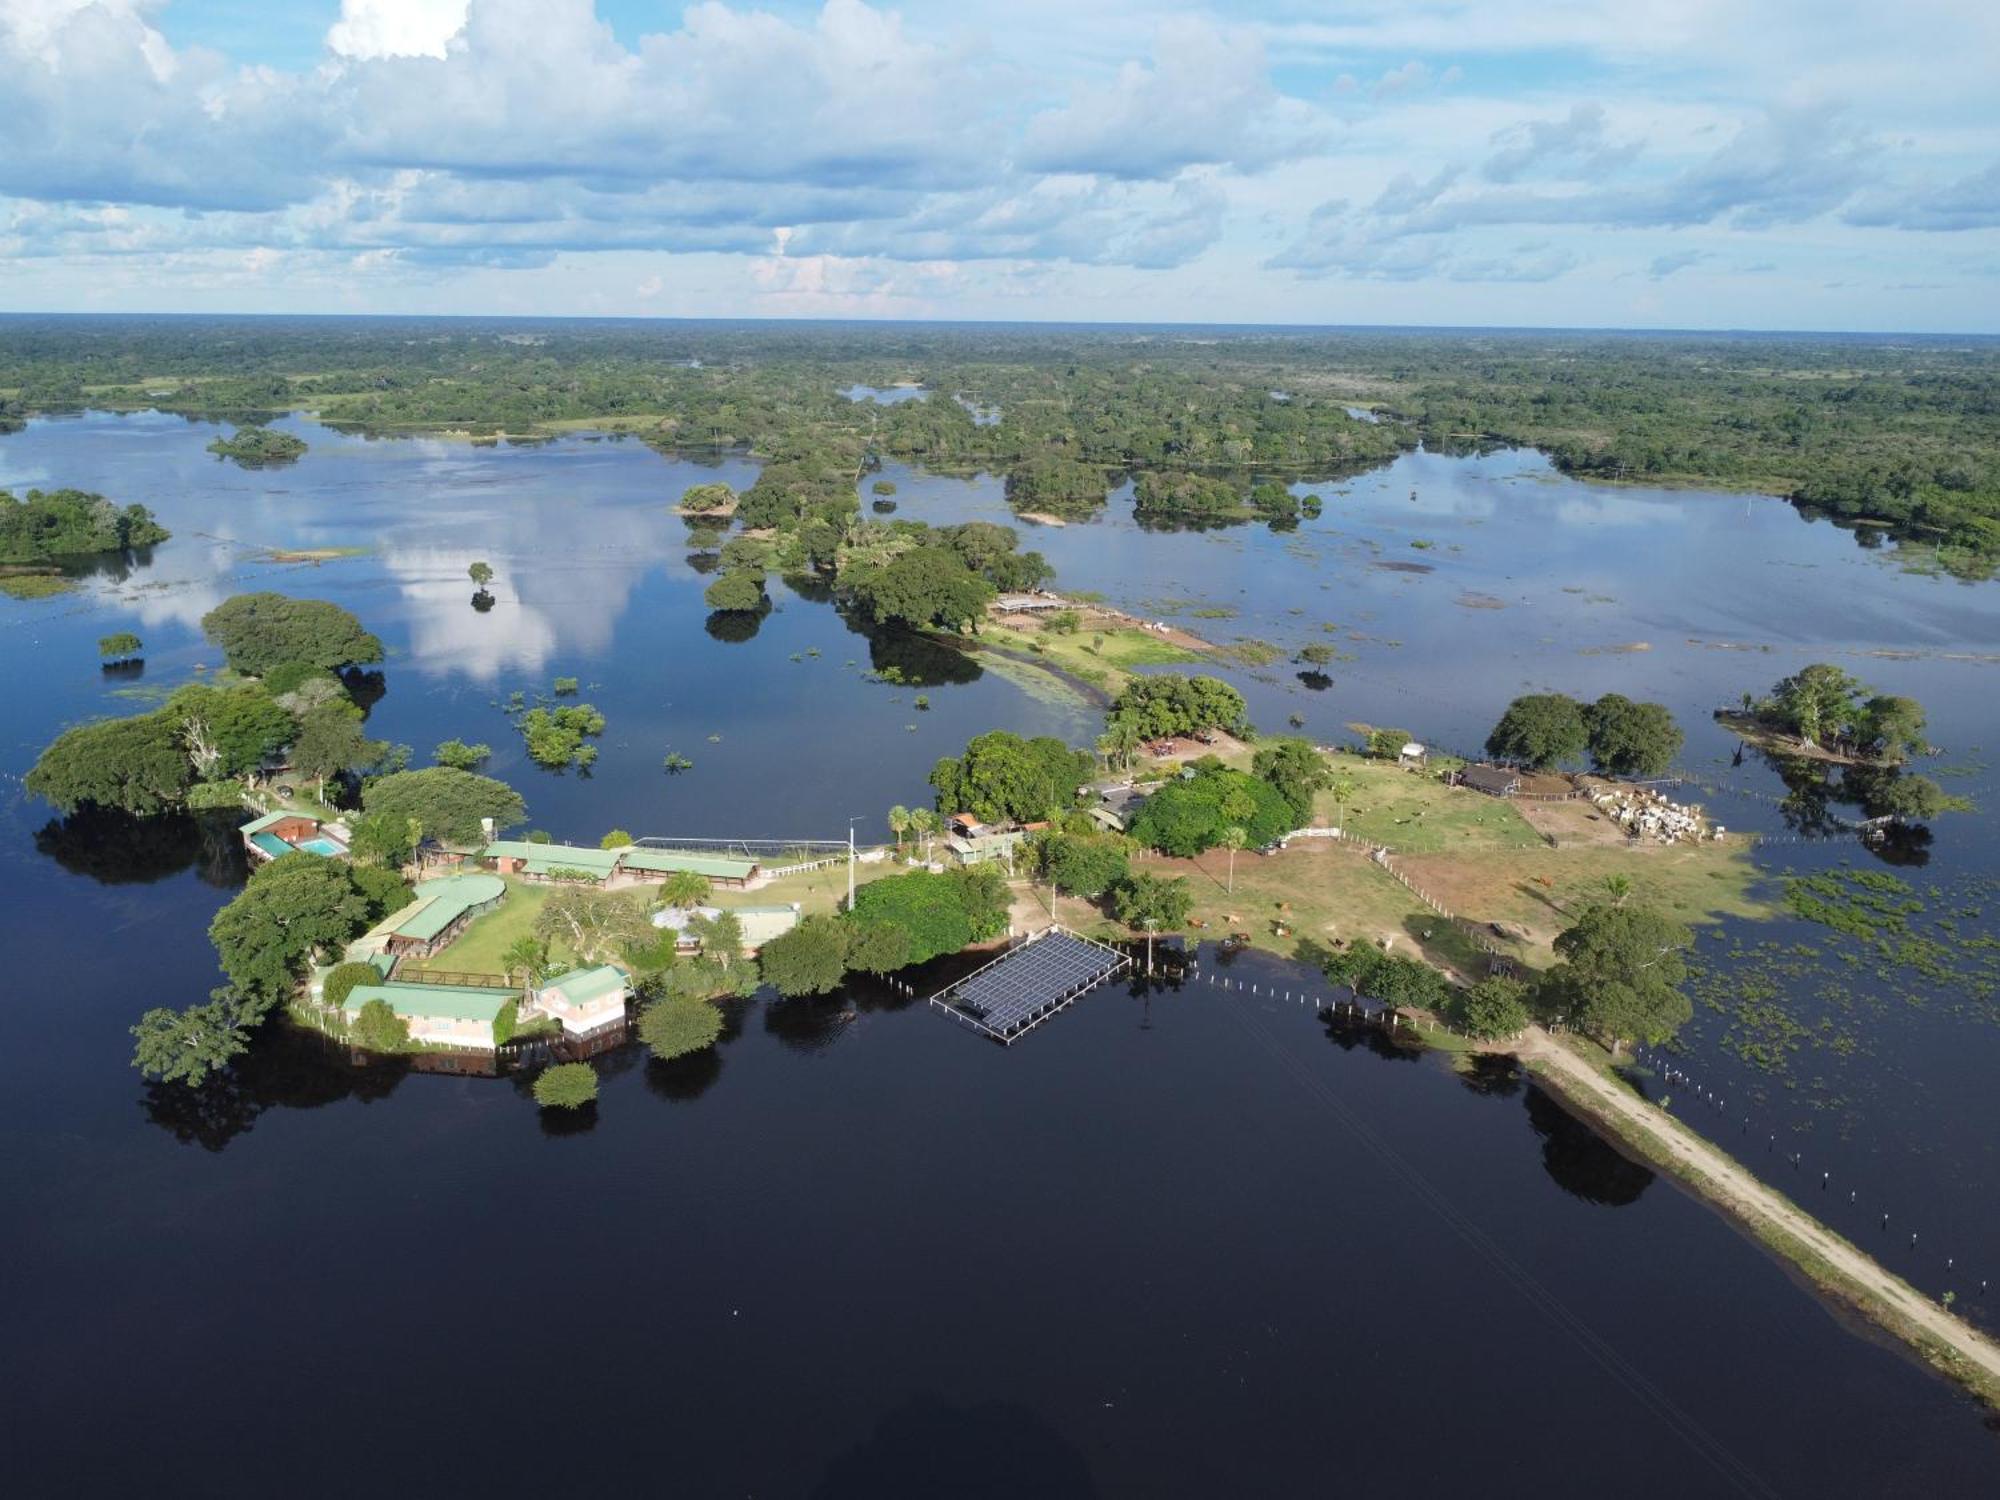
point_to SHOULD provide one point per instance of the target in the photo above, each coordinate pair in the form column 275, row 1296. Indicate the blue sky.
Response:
column 1564, row 162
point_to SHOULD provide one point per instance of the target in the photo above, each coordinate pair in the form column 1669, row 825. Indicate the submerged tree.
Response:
column 566, row 1086
column 119, row 647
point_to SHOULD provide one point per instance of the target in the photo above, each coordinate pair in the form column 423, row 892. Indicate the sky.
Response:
column 1767, row 164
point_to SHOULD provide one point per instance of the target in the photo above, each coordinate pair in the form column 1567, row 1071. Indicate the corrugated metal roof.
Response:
column 581, row 986
column 550, row 866
column 569, row 855
column 668, row 861
column 444, row 1002
column 445, row 901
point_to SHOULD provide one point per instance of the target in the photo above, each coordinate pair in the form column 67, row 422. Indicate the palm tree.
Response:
column 899, row 824
column 527, row 957
column 684, row 889
column 1239, row 809
column 1235, row 838
column 1618, row 887
column 1343, row 793
column 1120, row 739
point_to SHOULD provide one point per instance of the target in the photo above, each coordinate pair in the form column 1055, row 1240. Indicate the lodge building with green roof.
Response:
column 632, row 864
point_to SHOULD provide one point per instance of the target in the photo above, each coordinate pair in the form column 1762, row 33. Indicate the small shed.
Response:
column 1413, row 755
column 1494, row 781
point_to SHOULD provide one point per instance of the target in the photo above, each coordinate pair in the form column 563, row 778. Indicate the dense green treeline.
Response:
column 1890, row 436
column 71, row 523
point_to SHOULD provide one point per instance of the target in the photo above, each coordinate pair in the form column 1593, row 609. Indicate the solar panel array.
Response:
column 1021, row 987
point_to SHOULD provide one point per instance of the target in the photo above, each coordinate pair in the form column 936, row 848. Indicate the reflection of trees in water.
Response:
column 557, row 1123
column 735, row 626
column 1581, row 1162
column 1491, row 1073
column 113, row 567
column 682, row 1080
column 705, row 562
column 116, row 848
column 922, row 661
column 1816, row 789
column 286, row 1067
column 1319, row 682
column 809, row 587
column 1348, row 1032
column 809, row 1024
column 997, row 1449
column 366, row 688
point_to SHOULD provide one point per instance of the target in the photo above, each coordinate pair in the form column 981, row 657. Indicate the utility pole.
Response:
column 850, row 864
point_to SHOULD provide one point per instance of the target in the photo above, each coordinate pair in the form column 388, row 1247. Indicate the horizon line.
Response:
column 1023, row 323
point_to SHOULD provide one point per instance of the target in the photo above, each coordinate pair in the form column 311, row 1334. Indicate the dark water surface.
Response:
column 1178, row 1243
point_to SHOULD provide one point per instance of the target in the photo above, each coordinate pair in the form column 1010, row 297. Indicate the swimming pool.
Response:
column 323, row 846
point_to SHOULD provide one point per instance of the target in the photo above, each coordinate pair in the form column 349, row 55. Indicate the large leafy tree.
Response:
column 187, row 1046
column 720, row 936
column 1080, row 866
column 924, row 587
column 566, row 1086
column 595, row 926
column 1539, row 730
column 383, row 839
column 928, row 909
column 447, row 803
column 1632, row 739
column 1495, row 1007
column 296, row 906
column 1295, row 768
column 1184, row 818
column 738, row 591
column 134, row 765
column 1004, row 778
column 258, row 632
column 331, row 743
column 228, row 731
column 808, row 960
column 675, row 1025
column 1397, row 982
column 1817, row 703
column 1174, row 704
column 1154, row 903
column 1620, row 974
column 1892, row 728
column 379, row 1029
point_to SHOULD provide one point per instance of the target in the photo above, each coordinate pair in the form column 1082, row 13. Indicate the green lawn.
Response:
column 478, row 948
column 1108, row 666
column 1414, row 813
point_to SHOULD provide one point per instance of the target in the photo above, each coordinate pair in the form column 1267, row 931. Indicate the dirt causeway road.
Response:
column 1738, row 1190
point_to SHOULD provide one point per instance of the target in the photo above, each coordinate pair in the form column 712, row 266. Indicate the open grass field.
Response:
column 816, row 891
column 1415, row 813
column 1102, row 653
column 478, row 948
column 1541, row 891
column 1320, row 892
